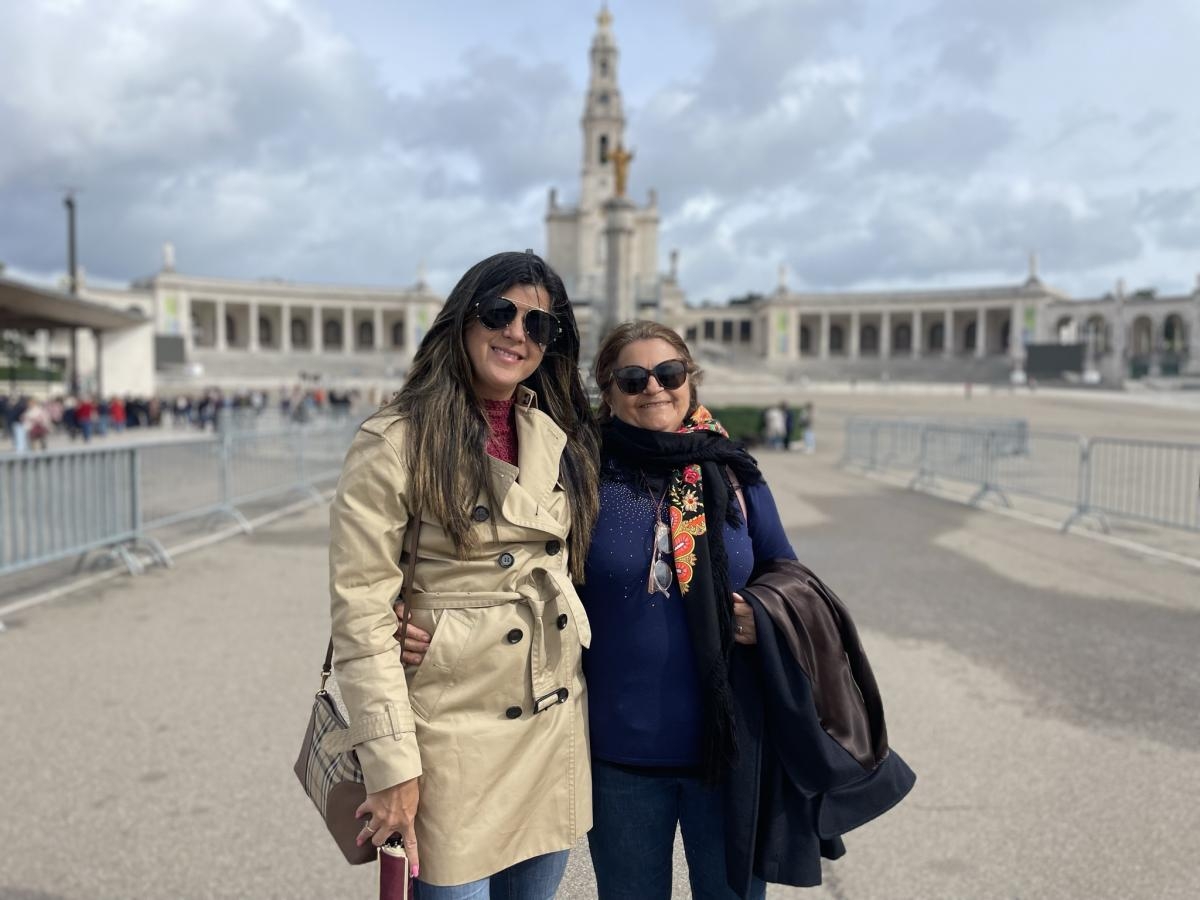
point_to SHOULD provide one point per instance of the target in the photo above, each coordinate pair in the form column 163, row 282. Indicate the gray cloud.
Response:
column 928, row 231
column 949, row 141
column 968, row 39
column 1076, row 123
column 756, row 44
column 1173, row 216
column 972, row 56
column 1153, row 122
column 517, row 123
column 280, row 154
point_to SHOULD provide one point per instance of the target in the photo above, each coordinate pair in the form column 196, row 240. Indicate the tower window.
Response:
column 604, row 67
column 603, row 98
column 603, row 148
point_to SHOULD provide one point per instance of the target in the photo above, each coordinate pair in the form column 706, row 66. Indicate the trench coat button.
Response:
column 513, row 712
column 506, row 560
column 514, row 636
column 552, row 547
column 480, row 514
column 562, row 621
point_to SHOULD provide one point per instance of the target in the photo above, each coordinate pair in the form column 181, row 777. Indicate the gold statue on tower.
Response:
column 620, row 159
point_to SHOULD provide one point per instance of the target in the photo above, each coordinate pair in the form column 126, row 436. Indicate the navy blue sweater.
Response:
column 643, row 696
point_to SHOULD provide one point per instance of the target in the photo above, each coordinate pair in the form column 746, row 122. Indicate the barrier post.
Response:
column 922, row 460
column 989, row 486
column 1083, row 503
column 224, row 477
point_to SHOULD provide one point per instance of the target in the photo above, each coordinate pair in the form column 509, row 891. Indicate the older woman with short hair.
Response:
column 672, row 546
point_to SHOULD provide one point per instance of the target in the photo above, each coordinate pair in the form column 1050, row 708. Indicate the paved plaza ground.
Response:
column 1043, row 686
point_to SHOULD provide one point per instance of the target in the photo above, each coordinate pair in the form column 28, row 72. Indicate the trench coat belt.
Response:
column 542, row 677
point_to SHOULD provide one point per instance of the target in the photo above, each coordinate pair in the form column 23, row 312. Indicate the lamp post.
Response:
column 73, row 284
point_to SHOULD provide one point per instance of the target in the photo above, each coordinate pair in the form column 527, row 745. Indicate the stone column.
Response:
column 793, row 342
column 185, row 324
column 219, row 325
column 618, row 266
column 41, row 348
column 823, row 349
column 980, row 333
column 252, row 330
column 885, row 334
column 948, row 332
column 1193, row 366
column 1156, row 343
column 285, row 328
column 1120, row 335
column 917, row 337
column 378, row 326
column 854, row 325
column 349, row 338
column 1016, row 324
column 317, row 331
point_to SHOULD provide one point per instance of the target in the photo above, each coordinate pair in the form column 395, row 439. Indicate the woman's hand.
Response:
column 743, row 622
column 392, row 810
column 416, row 642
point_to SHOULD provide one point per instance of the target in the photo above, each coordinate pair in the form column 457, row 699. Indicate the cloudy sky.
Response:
column 864, row 143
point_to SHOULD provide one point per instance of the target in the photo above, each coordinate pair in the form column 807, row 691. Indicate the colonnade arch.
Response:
column 1142, row 336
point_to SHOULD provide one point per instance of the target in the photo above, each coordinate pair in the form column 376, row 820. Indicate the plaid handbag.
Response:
column 327, row 766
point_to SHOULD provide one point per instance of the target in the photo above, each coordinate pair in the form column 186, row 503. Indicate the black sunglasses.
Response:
column 497, row 313
column 671, row 374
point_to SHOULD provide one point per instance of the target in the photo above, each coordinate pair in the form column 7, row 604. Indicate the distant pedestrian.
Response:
column 70, row 416
column 102, row 418
column 116, row 412
column 85, row 417
column 16, row 424
column 37, row 424
column 774, row 426
column 805, row 425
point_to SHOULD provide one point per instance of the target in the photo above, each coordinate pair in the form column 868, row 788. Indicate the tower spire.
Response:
column 603, row 116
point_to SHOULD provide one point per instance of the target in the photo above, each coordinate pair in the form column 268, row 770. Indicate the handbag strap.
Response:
column 414, row 533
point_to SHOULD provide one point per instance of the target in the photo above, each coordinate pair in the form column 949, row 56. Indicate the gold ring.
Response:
column 369, row 829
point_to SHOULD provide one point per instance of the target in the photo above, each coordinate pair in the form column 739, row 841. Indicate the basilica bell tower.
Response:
column 603, row 117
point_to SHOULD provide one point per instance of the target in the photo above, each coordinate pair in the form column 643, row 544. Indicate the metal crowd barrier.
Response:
column 1149, row 481
column 67, row 503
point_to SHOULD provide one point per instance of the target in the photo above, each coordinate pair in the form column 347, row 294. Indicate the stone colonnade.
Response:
column 981, row 330
column 290, row 326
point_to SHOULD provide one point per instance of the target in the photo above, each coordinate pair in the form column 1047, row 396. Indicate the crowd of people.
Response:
column 28, row 423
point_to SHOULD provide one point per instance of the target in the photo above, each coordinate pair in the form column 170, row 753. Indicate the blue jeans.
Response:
column 633, row 835
column 531, row 879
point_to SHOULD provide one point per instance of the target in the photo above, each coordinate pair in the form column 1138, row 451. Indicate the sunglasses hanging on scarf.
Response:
column 497, row 313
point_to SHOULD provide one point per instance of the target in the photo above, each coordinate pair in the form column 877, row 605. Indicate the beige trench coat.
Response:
column 504, row 765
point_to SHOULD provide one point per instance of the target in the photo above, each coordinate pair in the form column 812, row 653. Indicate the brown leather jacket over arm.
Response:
column 822, row 638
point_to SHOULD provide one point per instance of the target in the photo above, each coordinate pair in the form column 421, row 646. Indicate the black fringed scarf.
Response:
column 692, row 463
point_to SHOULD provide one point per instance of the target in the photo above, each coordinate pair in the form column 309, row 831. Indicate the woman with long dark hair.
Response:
column 478, row 759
